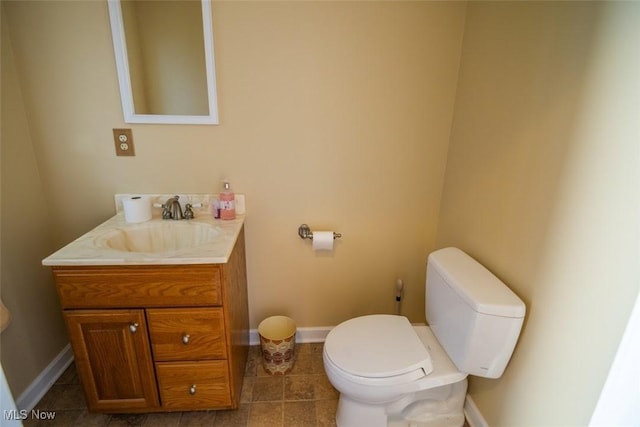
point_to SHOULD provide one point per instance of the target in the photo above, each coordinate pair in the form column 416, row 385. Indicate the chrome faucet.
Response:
column 172, row 209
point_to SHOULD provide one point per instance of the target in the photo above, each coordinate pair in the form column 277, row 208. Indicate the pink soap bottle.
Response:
column 227, row 202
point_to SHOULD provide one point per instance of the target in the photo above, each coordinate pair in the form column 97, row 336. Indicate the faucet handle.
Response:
column 188, row 212
column 166, row 212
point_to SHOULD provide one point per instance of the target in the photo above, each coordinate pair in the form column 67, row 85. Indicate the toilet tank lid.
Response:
column 476, row 285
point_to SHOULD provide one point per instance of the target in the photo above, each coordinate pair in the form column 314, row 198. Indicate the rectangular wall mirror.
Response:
column 165, row 61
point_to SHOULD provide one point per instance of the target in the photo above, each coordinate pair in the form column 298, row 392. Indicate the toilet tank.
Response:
column 474, row 316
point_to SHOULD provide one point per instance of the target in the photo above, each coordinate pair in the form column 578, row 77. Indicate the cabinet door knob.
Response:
column 192, row 389
column 133, row 327
column 185, row 339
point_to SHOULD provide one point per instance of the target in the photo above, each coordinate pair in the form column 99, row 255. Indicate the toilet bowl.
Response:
column 382, row 386
column 390, row 373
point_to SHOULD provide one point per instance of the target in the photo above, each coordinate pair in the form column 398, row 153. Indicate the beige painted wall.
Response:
column 542, row 186
column 36, row 332
column 334, row 114
column 339, row 114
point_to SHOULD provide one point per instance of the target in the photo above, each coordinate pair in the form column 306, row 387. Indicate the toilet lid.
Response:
column 377, row 346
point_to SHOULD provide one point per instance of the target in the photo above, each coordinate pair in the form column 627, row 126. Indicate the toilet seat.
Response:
column 380, row 381
column 394, row 352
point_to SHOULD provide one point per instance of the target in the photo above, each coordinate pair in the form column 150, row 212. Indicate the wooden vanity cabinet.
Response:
column 149, row 338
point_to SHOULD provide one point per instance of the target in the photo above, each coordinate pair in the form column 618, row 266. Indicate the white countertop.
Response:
column 88, row 249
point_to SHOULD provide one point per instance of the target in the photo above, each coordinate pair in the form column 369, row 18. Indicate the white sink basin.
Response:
column 160, row 236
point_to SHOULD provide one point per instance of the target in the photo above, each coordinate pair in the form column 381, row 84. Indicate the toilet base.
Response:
column 352, row 413
column 435, row 407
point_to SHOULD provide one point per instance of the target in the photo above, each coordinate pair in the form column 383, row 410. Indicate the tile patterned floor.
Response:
column 302, row 398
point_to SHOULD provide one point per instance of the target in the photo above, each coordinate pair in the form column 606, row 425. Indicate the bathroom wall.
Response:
column 336, row 114
column 36, row 333
column 542, row 186
column 339, row 115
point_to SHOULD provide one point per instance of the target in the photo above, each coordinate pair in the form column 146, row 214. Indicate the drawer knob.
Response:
column 133, row 327
column 192, row 389
column 185, row 339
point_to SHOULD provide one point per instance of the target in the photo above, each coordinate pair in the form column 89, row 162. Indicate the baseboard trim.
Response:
column 472, row 414
column 43, row 382
column 303, row 335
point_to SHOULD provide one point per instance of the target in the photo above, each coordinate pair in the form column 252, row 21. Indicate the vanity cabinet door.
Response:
column 113, row 357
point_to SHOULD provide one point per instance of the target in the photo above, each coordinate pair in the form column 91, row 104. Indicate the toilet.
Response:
column 391, row 373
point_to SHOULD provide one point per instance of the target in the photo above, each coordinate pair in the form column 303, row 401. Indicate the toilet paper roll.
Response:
column 137, row 209
column 323, row 240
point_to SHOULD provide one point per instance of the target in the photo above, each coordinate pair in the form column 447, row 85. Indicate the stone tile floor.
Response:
column 304, row 398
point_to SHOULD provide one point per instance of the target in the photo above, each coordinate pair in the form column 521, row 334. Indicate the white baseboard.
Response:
column 303, row 335
column 43, row 382
column 472, row 414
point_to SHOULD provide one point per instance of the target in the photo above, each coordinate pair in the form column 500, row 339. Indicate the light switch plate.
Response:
column 123, row 139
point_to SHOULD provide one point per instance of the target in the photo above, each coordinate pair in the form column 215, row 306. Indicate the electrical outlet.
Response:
column 123, row 138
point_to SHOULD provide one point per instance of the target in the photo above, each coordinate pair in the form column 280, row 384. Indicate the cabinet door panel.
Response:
column 112, row 355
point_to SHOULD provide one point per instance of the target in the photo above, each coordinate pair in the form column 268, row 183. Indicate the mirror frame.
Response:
column 124, row 78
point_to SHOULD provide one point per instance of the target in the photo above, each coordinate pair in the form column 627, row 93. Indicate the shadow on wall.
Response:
column 539, row 187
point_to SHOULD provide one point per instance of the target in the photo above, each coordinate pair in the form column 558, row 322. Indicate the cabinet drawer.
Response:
column 138, row 286
column 194, row 385
column 187, row 334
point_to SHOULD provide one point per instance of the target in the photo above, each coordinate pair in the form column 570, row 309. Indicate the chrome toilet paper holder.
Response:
column 305, row 233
